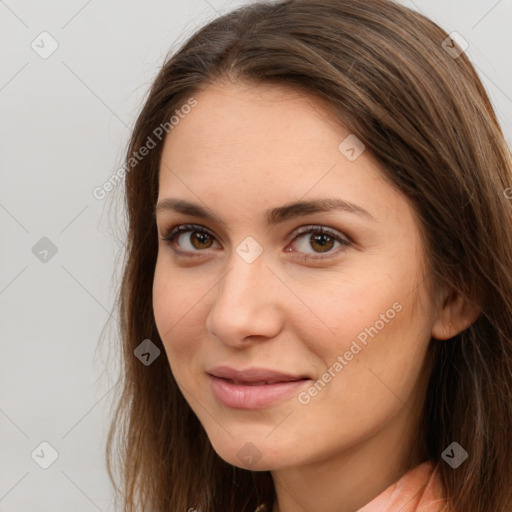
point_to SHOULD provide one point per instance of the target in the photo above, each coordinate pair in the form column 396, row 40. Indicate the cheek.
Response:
column 173, row 294
column 370, row 321
column 164, row 302
column 376, row 355
column 175, row 308
column 341, row 307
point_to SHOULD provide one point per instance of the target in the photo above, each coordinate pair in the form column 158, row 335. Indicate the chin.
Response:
column 258, row 454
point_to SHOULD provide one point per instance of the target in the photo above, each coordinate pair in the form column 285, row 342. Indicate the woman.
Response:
column 319, row 246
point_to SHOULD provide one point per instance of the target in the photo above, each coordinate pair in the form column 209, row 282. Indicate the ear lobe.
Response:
column 454, row 316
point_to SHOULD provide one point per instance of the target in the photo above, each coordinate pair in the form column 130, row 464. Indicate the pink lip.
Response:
column 253, row 374
column 252, row 388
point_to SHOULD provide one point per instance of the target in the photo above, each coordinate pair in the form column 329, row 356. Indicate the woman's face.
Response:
column 341, row 312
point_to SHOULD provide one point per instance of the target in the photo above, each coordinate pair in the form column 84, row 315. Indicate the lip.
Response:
column 252, row 388
column 253, row 374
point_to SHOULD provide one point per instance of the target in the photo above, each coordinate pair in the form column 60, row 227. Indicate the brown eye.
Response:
column 200, row 239
column 321, row 240
column 194, row 239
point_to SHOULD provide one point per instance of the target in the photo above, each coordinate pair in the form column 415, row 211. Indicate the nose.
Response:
column 246, row 303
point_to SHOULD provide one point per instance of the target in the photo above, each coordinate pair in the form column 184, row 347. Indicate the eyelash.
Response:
column 175, row 231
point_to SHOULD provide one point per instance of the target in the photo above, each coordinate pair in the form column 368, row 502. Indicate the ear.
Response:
column 454, row 316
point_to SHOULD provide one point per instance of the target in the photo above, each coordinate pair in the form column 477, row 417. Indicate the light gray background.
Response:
column 65, row 124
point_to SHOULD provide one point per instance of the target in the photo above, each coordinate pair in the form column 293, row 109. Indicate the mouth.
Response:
column 253, row 388
column 253, row 375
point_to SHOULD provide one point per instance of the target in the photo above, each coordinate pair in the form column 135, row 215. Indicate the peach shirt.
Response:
column 419, row 490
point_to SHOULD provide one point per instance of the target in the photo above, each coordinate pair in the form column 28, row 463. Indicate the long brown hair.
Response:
column 399, row 84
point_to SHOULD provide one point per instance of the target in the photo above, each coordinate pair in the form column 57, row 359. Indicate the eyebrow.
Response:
column 273, row 216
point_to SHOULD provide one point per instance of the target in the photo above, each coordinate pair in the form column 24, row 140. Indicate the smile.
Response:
column 253, row 395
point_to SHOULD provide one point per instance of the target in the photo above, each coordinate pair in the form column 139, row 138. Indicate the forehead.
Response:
column 248, row 148
column 231, row 123
column 262, row 131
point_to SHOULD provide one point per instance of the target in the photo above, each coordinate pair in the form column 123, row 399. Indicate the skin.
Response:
column 242, row 150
